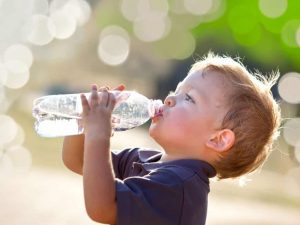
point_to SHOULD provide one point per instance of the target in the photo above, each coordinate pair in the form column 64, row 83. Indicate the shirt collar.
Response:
column 150, row 159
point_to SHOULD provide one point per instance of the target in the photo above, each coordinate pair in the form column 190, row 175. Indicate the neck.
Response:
column 171, row 157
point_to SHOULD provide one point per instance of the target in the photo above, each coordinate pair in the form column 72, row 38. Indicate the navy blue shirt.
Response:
column 149, row 192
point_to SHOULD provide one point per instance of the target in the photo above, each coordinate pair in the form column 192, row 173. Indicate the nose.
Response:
column 170, row 101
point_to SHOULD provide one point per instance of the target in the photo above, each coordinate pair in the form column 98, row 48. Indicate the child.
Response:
column 221, row 121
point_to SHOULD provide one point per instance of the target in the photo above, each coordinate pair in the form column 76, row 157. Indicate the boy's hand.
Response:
column 96, row 115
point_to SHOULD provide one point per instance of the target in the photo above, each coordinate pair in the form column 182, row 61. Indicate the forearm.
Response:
column 72, row 153
column 98, row 181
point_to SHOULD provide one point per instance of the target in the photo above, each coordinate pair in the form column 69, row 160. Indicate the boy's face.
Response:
column 191, row 114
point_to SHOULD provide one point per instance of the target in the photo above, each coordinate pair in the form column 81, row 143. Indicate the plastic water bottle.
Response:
column 60, row 115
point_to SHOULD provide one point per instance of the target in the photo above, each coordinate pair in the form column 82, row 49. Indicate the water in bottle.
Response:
column 60, row 115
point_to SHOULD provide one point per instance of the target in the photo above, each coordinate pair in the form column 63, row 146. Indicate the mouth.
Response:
column 157, row 114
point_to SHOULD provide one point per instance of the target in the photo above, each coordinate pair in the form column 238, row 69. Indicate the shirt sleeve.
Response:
column 122, row 161
column 156, row 198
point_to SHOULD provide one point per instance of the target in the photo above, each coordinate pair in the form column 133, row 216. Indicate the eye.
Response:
column 189, row 98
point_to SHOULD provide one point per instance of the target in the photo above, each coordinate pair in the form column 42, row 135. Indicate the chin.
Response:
column 153, row 132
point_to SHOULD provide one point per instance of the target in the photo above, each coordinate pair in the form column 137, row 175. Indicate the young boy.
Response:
column 221, row 121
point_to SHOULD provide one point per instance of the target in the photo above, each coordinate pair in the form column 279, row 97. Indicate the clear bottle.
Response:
column 60, row 115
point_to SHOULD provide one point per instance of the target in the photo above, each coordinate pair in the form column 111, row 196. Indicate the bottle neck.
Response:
column 154, row 106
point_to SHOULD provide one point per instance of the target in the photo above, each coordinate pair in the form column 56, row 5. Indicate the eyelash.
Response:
column 187, row 96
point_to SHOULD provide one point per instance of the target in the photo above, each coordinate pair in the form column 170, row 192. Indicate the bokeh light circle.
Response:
column 3, row 74
column 114, row 45
column 18, row 74
column 297, row 151
column 65, row 24
column 80, row 10
column 8, row 129
column 197, row 7
column 18, row 139
column 135, row 9
column 40, row 7
column 151, row 27
column 129, row 9
column 298, row 36
column 289, row 32
column 113, row 49
column 20, row 53
column 273, row 8
column 289, row 87
column 20, row 158
column 179, row 46
column 291, row 131
column 41, row 30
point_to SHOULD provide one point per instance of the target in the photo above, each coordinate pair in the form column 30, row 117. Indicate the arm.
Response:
column 73, row 146
column 98, row 176
column 72, row 153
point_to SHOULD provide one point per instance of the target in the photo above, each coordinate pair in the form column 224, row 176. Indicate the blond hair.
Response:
column 252, row 114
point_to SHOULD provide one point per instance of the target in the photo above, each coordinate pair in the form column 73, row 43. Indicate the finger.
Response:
column 111, row 101
column 104, row 88
column 85, row 104
column 94, row 95
column 120, row 87
column 104, row 98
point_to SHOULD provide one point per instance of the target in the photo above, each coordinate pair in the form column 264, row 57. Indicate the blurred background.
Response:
column 63, row 46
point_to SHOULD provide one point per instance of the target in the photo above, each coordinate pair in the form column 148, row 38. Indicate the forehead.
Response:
column 198, row 79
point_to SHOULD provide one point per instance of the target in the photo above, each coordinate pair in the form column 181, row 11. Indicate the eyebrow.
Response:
column 178, row 86
column 199, row 93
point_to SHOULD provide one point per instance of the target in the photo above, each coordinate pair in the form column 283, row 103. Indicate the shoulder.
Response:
column 139, row 154
column 181, row 175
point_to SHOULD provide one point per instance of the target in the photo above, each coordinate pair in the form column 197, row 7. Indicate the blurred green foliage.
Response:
column 244, row 29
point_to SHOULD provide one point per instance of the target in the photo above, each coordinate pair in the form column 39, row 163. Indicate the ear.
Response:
column 221, row 141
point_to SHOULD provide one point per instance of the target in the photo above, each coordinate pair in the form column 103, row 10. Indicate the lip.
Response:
column 158, row 113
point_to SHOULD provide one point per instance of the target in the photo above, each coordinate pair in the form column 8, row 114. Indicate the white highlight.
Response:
column 19, row 52
column 114, row 44
column 197, row 7
column 65, row 24
column 289, row 87
column 273, row 8
column 8, row 129
column 291, row 131
column 41, row 30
